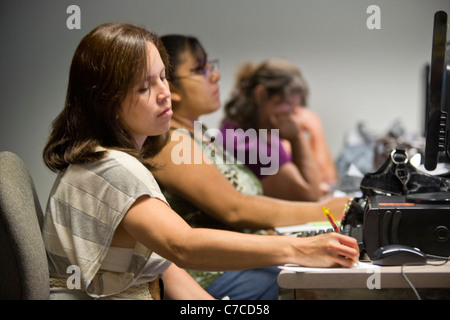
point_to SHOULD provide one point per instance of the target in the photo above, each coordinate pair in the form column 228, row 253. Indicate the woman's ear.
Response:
column 175, row 94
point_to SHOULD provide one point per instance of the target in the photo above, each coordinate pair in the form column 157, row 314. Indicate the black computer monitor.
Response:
column 437, row 129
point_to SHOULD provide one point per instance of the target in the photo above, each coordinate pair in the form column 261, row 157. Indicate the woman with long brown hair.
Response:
column 106, row 215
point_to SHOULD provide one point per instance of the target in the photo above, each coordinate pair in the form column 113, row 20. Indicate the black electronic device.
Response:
column 437, row 123
column 398, row 255
column 394, row 220
column 416, row 215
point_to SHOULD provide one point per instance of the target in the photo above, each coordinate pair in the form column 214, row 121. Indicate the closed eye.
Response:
column 143, row 90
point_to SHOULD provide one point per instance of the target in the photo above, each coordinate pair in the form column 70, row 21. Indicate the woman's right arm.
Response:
column 153, row 223
column 208, row 189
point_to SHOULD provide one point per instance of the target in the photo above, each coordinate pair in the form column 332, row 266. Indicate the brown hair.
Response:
column 106, row 63
column 176, row 45
column 277, row 76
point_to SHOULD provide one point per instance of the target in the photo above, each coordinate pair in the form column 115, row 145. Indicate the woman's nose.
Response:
column 164, row 93
column 215, row 75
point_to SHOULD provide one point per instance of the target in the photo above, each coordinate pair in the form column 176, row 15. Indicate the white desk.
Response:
column 432, row 282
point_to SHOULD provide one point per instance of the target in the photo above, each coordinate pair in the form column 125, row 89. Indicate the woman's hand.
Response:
column 328, row 250
column 287, row 125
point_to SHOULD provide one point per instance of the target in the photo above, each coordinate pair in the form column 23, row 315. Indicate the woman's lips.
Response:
column 167, row 112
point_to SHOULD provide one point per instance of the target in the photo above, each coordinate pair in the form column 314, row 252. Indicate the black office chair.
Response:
column 23, row 263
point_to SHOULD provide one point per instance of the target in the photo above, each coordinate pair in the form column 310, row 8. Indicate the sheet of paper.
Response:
column 361, row 265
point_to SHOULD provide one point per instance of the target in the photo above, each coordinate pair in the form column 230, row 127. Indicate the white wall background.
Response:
column 355, row 74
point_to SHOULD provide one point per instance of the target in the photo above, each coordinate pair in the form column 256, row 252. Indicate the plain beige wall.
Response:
column 355, row 74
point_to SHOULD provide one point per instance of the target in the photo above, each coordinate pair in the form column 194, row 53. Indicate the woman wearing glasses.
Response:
column 210, row 191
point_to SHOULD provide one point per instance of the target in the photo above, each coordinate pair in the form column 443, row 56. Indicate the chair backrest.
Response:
column 23, row 262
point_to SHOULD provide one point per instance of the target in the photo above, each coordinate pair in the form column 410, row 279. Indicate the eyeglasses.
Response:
column 205, row 71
